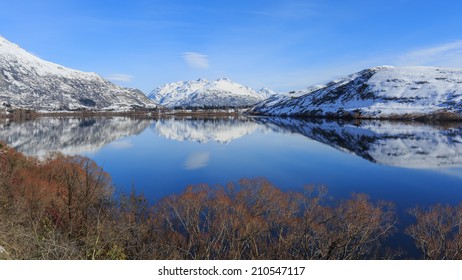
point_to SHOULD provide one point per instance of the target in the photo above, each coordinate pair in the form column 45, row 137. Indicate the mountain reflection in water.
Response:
column 221, row 130
column 412, row 145
column 70, row 136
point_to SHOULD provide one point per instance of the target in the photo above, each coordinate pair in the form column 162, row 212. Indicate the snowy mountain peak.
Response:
column 29, row 82
column 202, row 93
column 379, row 92
column 266, row 92
column 4, row 41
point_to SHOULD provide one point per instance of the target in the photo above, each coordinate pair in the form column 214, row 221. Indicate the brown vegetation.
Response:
column 258, row 221
column 64, row 208
column 438, row 232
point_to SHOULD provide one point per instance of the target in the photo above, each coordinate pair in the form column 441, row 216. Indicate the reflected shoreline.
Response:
column 400, row 144
column 390, row 143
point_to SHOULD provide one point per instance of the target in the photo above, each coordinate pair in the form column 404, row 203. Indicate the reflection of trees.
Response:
column 414, row 145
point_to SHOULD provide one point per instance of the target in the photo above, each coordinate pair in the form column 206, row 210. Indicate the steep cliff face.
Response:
column 380, row 92
column 29, row 82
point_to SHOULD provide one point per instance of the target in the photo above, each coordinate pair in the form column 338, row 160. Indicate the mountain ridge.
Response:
column 203, row 93
column 379, row 92
column 29, row 82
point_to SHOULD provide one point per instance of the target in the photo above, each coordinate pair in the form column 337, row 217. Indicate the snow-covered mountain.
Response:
column 202, row 93
column 29, row 82
column 70, row 136
column 266, row 92
column 380, row 92
column 410, row 145
column 221, row 130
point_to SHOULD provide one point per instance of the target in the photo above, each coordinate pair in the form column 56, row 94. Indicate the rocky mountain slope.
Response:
column 29, row 82
column 380, row 92
column 202, row 93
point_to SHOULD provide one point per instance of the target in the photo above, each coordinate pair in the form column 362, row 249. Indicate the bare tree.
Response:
column 438, row 232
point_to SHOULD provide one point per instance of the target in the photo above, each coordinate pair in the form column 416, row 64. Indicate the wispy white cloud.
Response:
column 449, row 54
column 197, row 160
column 120, row 78
column 196, row 60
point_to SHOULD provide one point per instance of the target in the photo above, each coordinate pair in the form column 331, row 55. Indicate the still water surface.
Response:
column 406, row 163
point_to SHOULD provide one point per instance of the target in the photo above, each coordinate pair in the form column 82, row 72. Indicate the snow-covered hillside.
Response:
column 202, row 93
column 29, row 82
column 380, row 92
column 398, row 144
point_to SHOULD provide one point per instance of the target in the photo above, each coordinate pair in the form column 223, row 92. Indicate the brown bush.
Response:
column 438, row 232
column 63, row 208
column 258, row 221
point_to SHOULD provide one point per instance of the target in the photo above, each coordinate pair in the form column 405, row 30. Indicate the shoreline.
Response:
column 25, row 114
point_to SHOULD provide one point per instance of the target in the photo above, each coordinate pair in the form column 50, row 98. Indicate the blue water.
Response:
column 161, row 157
column 158, row 166
column 408, row 164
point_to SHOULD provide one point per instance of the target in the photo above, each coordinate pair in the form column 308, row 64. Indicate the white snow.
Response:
column 377, row 92
column 11, row 51
column 218, row 93
column 29, row 82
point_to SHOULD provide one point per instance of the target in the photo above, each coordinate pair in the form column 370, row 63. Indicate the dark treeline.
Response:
column 64, row 208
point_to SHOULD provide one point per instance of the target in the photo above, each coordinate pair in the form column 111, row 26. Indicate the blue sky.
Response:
column 283, row 45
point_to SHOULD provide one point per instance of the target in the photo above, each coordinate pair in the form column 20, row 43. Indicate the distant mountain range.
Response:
column 380, row 92
column 211, row 94
column 29, row 82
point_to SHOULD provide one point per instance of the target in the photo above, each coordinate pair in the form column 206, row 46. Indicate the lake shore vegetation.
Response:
column 65, row 207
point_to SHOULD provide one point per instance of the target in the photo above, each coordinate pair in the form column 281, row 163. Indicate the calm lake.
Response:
column 407, row 163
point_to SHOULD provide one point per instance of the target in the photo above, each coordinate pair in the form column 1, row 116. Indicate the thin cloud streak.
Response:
column 196, row 60
column 449, row 55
